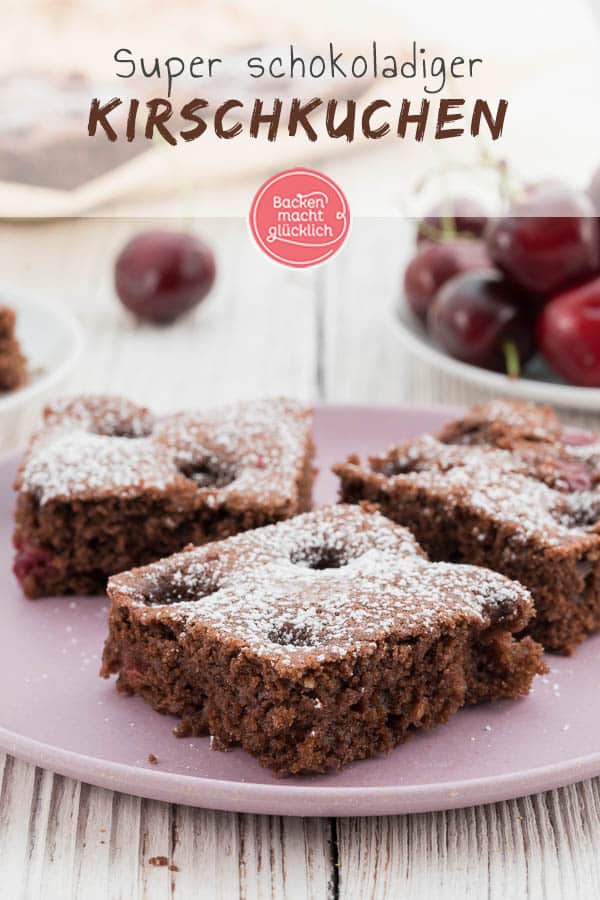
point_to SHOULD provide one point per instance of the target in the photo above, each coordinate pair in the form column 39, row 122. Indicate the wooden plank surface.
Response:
column 324, row 334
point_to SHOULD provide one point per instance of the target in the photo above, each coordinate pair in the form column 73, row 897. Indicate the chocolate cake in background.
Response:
column 43, row 131
column 13, row 365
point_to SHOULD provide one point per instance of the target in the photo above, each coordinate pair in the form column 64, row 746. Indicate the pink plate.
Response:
column 58, row 714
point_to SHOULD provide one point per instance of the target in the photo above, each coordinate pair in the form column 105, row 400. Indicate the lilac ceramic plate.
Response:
column 56, row 711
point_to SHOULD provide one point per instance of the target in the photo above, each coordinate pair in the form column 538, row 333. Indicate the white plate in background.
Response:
column 52, row 341
column 538, row 384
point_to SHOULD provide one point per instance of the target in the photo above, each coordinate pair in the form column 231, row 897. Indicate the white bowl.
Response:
column 538, row 383
column 52, row 341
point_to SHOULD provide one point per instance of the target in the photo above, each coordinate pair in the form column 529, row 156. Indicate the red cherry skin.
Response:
column 568, row 332
column 549, row 241
column 31, row 563
column 475, row 315
column 434, row 263
column 160, row 275
column 577, row 437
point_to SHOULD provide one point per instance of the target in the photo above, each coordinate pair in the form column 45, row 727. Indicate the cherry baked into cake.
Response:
column 510, row 487
column 105, row 486
column 317, row 641
column 13, row 365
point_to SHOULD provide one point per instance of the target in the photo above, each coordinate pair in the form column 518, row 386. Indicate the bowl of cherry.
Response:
column 510, row 303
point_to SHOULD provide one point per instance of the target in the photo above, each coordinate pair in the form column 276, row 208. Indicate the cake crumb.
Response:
column 305, row 598
column 152, row 759
column 508, row 469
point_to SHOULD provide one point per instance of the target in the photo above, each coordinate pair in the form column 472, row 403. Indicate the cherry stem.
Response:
column 509, row 185
column 511, row 359
column 448, row 230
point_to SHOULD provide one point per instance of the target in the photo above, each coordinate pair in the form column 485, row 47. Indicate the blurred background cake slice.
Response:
column 13, row 365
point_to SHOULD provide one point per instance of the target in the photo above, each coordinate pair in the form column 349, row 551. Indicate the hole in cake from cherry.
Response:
column 207, row 473
column 180, row 587
column 123, row 430
column 292, row 634
column 403, row 464
column 587, row 572
column 320, row 557
column 584, row 510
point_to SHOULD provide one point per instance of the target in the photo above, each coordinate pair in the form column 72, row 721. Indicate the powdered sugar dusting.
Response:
column 260, row 445
column 98, row 447
column 501, row 422
column 317, row 586
column 496, row 484
column 75, row 463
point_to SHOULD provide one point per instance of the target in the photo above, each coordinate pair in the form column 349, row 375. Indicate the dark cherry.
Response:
column 547, row 242
column 569, row 334
column 30, row 560
column 459, row 215
column 135, row 666
column 478, row 319
column 434, row 263
column 577, row 437
column 576, row 475
column 160, row 275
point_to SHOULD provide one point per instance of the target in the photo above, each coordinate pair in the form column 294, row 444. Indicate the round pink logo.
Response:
column 300, row 218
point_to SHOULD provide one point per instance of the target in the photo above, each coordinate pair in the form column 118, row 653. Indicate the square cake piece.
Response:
column 54, row 150
column 13, row 365
column 318, row 641
column 509, row 487
column 104, row 486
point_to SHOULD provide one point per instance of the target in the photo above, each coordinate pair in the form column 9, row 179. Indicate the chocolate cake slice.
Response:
column 318, row 641
column 509, row 487
column 13, row 365
column 44, row 137
column 104, row 486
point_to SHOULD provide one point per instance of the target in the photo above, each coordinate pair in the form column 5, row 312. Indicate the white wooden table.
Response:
column 320, row 335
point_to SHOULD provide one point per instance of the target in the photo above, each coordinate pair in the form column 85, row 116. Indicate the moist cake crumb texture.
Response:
column 315, row 582
column 105, row 486
column 316, row 641
column 506, row 486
